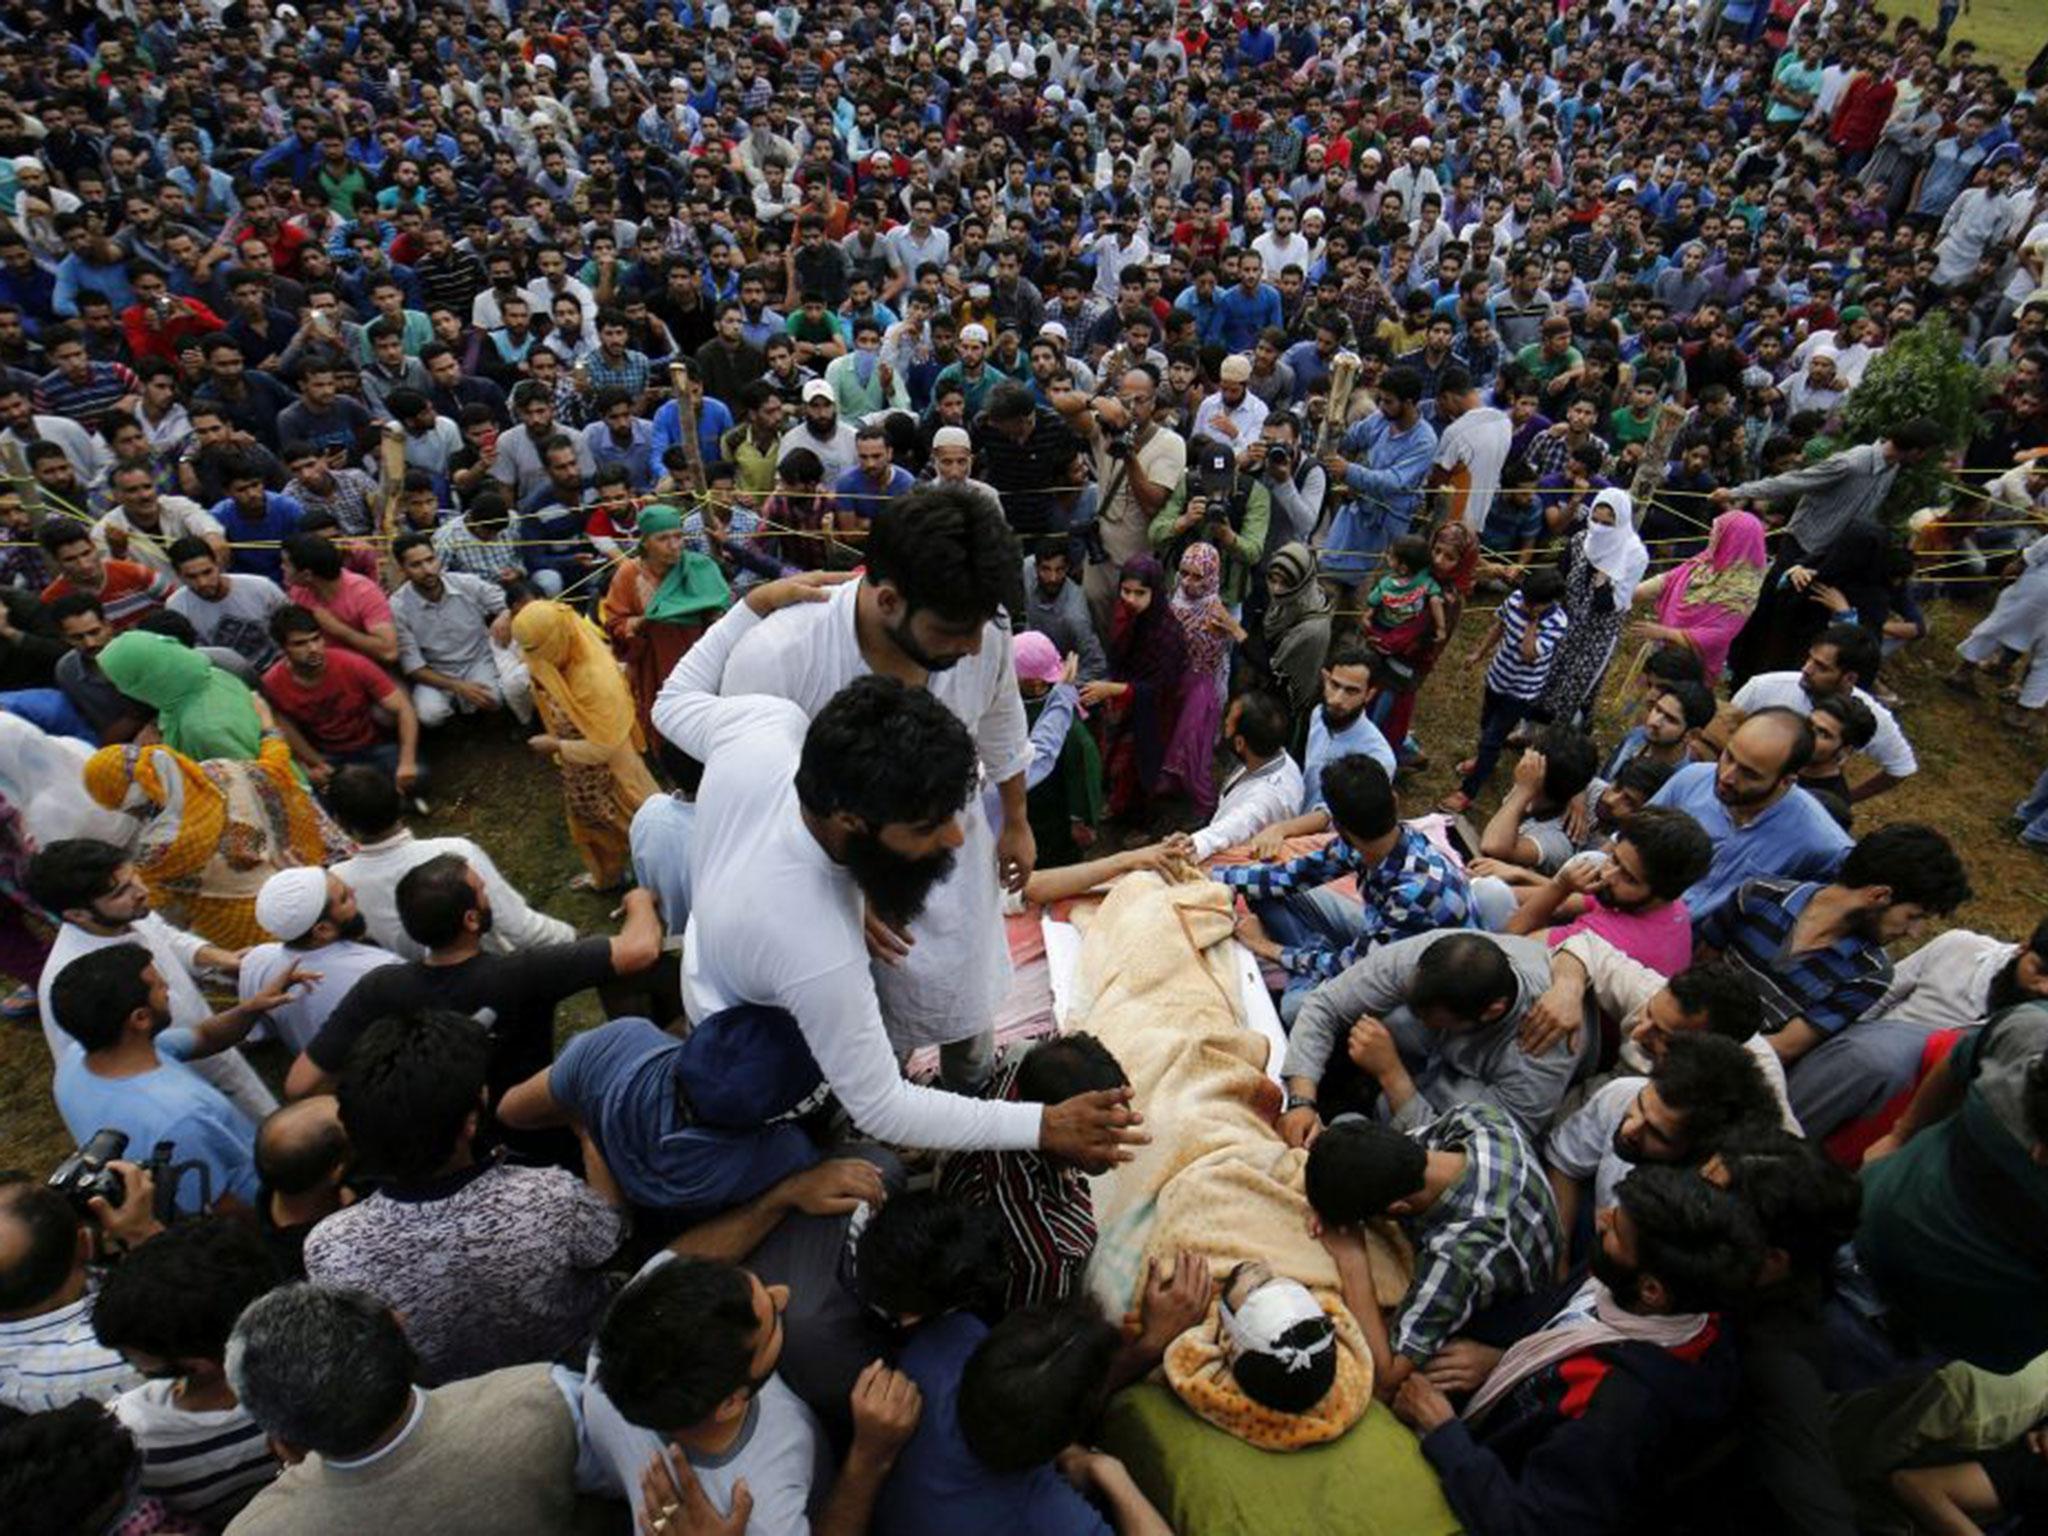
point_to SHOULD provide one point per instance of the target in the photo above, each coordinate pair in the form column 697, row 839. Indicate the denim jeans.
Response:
column 1308, row 920
column 2034, row 812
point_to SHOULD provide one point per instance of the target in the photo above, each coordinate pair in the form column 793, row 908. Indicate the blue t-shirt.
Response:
column 1795, row 839
column 173, row 1104
column 939, row 1487
column 620, row 1082
column 280, row 520
column 1326, row 746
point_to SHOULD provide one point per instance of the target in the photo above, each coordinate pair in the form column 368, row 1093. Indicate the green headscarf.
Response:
column 200, row 710
column 694, row 585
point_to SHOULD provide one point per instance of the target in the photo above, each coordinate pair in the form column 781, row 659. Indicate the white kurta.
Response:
column 958, row 968
column 775, row 921
column 2018, row 621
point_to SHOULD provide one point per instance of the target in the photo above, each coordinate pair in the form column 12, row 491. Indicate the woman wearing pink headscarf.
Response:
column 1064, row 781
column 1705, row 602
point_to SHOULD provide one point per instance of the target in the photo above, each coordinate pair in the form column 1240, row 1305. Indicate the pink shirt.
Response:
column 1660, row 937
column 359, row 602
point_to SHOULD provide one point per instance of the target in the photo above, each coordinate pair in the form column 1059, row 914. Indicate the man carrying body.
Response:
column 804, row 821
column 938, row 568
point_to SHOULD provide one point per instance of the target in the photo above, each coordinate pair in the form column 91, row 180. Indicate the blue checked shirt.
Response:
column 1830, row 987
column 1414, row 889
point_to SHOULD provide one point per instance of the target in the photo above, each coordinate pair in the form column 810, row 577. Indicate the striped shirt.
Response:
column 84, row 402
column 1047, row 1215
column 206, row 1464
column 1830, row 987
column 1490, row 1237
column 130, row 593
column 1414, row 889
column 1510, row 673
column 55, row 1358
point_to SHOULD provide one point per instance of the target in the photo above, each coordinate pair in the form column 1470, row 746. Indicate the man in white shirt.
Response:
column 367, row 806
column 1282, row 246
column 93, row 886
column 1121, row 245
column 939, row 567
column 143, row 524
column 1471, row 449
column 649, row 1390
column 1589, row 977
column 812, row 820
column 1702, row 1087
column 1262, row 791
column 821, row 431
column 1840, row 661
column 320, row 929
column 1233, row 415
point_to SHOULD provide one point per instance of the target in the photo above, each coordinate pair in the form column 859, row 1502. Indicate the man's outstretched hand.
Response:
column 1093, row 1131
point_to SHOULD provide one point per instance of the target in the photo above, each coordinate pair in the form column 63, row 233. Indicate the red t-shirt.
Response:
column 335, row 712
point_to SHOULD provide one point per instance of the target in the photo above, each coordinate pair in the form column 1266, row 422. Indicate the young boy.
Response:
column 169, row 1307
column 1523, row 642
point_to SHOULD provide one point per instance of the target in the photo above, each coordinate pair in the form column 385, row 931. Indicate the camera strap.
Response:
column 1122, row 471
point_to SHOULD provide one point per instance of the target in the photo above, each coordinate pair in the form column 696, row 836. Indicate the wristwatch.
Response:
column 1291, row 1101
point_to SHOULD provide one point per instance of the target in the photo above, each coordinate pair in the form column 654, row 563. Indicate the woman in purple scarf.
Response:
column 1148, row 678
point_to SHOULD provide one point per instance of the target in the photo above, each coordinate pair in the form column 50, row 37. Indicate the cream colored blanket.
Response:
column 1156, row 986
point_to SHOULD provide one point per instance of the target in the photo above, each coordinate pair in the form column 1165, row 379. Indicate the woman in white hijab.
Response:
column 1602, row 565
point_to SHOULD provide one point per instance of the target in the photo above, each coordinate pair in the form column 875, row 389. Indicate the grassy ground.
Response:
column 2007, row 32
column 491, row 789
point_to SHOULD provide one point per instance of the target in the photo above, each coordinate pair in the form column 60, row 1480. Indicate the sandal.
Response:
column 1466, row 767
column 1456, row 803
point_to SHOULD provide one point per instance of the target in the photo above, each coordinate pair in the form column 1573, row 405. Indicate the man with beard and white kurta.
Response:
column 941, row 565
column 802, row 821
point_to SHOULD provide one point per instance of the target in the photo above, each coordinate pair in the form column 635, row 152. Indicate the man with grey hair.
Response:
column 328, row 1374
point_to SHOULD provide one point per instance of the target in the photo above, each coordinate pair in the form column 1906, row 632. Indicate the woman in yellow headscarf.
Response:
column 213, row 832
column 592, row 733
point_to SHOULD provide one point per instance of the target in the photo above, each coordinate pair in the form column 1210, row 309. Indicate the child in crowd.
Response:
column 1405, row 616
column 1522, row 642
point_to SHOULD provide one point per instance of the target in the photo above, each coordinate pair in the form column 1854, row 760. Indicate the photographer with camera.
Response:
column 49, row 1354
column 1293, row 479
column 1215, row 504
column 131, row 1077
column 1138, row 462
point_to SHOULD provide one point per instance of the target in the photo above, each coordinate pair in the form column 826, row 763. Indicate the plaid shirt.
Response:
column 461, row 550
column 351, row 499
column 1830, row 988
column 1414, row 889
column 630, row 375
column 1492, row 1236
column 1553, row 455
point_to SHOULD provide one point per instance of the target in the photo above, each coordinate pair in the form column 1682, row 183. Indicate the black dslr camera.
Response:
column 86, row 1175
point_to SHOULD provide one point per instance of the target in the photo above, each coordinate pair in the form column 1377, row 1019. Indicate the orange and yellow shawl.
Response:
column 213, row 832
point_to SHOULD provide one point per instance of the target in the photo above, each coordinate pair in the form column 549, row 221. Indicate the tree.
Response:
column 1921, row 372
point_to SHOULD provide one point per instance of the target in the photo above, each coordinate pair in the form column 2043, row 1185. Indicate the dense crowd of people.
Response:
column 904, row 470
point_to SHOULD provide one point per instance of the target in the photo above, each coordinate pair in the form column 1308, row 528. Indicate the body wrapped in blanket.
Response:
column 1157, row 986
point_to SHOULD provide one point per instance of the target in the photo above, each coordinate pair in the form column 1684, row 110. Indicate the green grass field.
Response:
column 2007, row 32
